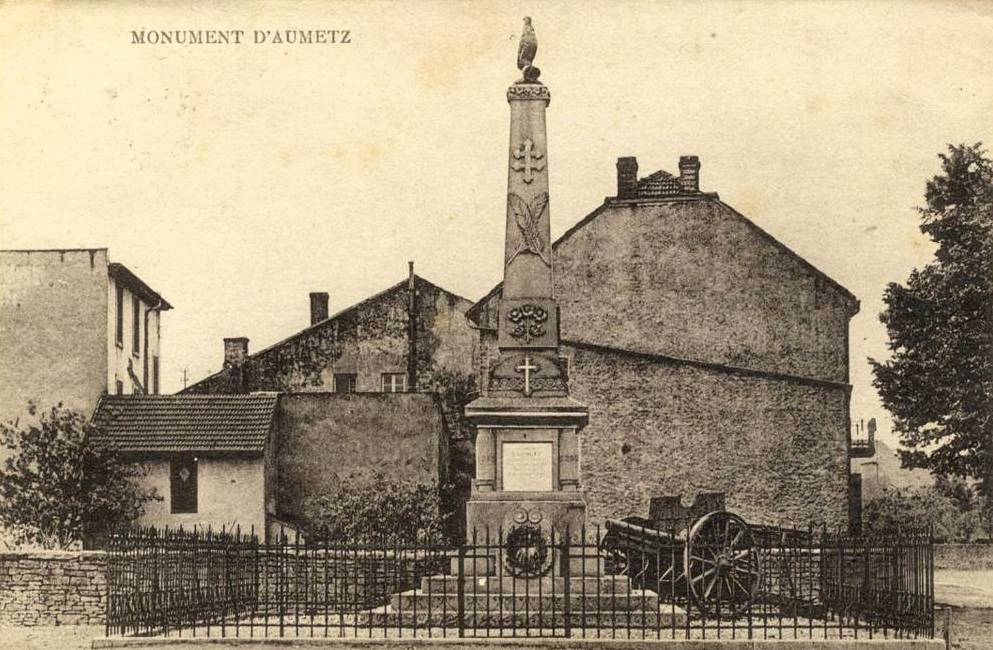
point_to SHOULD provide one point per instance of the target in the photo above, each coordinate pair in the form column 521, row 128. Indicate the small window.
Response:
column 119, row 386
column 136, row 325
column 344, row 382
column 120, row 315
column 183, row 484
column 155, row 375
column 394, row 382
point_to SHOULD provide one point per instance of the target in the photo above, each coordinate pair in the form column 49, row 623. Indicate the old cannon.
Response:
column 699, row 552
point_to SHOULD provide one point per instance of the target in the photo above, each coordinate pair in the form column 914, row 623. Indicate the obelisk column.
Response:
column 527, row 450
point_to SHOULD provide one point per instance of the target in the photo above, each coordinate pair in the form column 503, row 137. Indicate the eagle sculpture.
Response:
column 526, row 51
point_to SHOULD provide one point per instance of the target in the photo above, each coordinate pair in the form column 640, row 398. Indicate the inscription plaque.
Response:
column 527, row 466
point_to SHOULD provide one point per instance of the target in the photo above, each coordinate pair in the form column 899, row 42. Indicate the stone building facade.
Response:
column 711, row 356
column 407, row 338
column 74, row 326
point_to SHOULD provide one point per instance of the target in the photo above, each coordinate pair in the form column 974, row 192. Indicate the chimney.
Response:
column 689, row 173
column 235, row 351
column 318, row 307
column 627, row 177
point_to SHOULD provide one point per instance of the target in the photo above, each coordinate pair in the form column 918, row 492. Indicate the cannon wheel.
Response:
column 722, row 564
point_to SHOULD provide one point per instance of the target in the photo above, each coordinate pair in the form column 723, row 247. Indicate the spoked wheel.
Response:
column 722, row 564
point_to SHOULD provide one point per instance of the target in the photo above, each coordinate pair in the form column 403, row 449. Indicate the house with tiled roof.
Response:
column 711, row 355
column 254, row 460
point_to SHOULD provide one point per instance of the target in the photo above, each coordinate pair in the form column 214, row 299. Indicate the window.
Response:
column 183, row 484
column 119, row 386
column 394, row 382
column 344, row 382
column 155, row 375
column 120, row 315
column 136, row 325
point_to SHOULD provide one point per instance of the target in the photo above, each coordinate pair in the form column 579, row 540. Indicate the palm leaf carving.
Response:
column 528, row 217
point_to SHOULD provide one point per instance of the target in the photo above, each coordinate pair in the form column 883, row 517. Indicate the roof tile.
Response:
column 170, row 423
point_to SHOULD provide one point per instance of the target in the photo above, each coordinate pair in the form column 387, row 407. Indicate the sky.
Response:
column 235, row 179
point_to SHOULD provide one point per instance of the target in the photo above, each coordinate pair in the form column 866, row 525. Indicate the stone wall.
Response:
column 325, row 437
column 964, row 557
column 53, row 325
column 367, row 339
column 53, row 588
column 776, row 447
column 693, row 279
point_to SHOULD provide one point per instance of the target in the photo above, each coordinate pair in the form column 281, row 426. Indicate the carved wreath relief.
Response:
column 528, row 217
column 528, row 322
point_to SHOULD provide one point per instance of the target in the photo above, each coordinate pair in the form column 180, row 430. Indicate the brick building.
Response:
column 711, row 356
column 73, row 326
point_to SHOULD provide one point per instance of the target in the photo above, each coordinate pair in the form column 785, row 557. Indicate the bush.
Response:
column 63, row 485
column 923, row 507
column 375, row 509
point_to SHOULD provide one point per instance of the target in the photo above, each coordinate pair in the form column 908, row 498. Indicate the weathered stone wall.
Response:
column 53, row 588
column 964, row 557
column 53, row 329
column 776, row 447
column 324, row 437
column 693, row 279
column 368, row 339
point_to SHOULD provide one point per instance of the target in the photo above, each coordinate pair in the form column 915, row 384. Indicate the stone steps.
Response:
column 449, row 584
column 664, row 617
column 509, row 602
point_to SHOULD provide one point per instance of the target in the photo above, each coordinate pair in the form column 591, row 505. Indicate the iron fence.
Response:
column 622, row 580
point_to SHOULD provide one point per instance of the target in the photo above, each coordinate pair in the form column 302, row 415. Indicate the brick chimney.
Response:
column 627, row 177
column 235, row 351
column 689, row 173
column 318, row 307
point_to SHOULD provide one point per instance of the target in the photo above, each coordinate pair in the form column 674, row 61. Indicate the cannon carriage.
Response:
column 714, row 558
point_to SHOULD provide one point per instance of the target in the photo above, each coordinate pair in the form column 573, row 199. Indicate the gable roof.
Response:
column 124, row 276
column 402, row 285
column 184, row 423
column 662, row 187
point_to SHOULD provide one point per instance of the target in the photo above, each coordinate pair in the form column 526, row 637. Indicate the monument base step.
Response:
column 449, row 584
column 525, row 601
column 664, row 617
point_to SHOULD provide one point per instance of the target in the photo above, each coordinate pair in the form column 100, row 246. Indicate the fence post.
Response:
column 566, row 576
column 461, row 590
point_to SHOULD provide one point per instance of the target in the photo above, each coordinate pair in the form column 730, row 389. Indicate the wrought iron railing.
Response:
column 708, row 580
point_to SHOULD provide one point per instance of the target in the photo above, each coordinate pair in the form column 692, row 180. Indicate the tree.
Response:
column 63, row 483
column 938, row 383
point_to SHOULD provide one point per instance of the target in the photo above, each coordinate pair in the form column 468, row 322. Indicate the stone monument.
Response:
column 527, row 443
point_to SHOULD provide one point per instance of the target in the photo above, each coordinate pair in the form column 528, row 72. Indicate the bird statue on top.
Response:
column 525, row 54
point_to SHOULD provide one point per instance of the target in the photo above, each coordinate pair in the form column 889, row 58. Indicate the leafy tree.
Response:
column 62, row 484
column 917, row 508
column 371, row 509
column 938, row 383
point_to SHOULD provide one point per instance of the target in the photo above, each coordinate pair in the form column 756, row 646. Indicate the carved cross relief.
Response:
column 527, row 368
column 527, row 159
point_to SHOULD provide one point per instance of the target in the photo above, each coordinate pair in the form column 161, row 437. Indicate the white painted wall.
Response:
column 230, row 493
